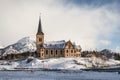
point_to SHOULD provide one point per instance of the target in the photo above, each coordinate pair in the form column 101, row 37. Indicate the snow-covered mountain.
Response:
column 23, row 45
column 106, row 51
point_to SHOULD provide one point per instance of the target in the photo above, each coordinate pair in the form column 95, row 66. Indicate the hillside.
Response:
column 23, row 45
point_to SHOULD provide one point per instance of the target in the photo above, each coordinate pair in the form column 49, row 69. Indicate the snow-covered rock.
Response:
column 23, row 45
column 10, row 50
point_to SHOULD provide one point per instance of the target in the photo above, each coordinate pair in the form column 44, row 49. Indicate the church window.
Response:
column 56, row 52
column 46, row 51
column 42, row 54
column 61, row 52
column 74, row 51
column 66, row 51
column 51, row 52
column 41, row 45
column 40, row 39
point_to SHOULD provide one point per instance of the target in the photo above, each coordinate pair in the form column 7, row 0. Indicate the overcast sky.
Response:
column 94, row 24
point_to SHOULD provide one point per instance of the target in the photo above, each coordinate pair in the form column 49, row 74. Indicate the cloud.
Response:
column 60, row 20
column 105, row 42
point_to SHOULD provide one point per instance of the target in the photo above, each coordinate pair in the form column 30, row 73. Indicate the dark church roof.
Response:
column 59, row 44
column 40, row 27
column 55, row 44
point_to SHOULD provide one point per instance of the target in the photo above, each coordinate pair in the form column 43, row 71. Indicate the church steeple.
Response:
column 40, row 27
column 39, row 38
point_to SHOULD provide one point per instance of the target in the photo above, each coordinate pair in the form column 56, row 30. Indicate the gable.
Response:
column 69, row 45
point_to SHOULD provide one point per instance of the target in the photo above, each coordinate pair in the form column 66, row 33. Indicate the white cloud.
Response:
column 105, row 42
column 118, row 49
column 83, row 25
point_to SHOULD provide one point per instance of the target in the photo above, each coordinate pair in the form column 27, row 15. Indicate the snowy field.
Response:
column 69, row 69
column 58, row 75
column 58, row 63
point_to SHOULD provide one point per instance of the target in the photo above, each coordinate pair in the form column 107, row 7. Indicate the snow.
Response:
column 26, row 44
column 58, row 44
column 23, row 45
column 112, row 62
column 9, row 51
column 61, row 63
column 70, row 69
column 55, row 44
column 24, row 40
column 6, row 65
column 58, row 63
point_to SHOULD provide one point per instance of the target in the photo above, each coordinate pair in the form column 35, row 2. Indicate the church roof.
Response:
column 55, row 44
column 40, row 27
column 59, row 44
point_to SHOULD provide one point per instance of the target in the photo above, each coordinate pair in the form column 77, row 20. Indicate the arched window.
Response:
column 51, row 52
column 66, row 51
column 46, row 52
column 42, row 54
column 71, row 51
column 61, row 52
column 74, row 51
column 42, row 49
column 56, row 52
column 40, row 39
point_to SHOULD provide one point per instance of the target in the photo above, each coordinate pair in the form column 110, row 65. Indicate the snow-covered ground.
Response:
column 72, row 70
column 58, row 63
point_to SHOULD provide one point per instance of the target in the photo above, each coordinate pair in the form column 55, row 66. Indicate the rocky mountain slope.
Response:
column 23, row 45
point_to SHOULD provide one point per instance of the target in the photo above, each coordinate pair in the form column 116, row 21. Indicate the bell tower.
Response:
column 39, row 37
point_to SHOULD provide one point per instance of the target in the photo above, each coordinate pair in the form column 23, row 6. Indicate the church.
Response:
column 55, row 49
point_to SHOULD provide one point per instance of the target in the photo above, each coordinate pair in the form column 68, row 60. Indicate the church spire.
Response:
column 40, row 27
